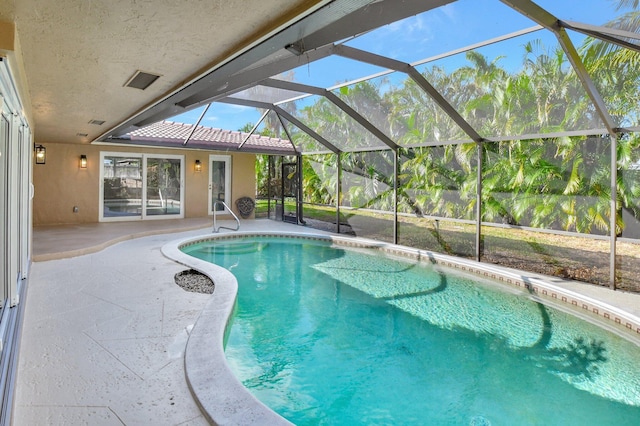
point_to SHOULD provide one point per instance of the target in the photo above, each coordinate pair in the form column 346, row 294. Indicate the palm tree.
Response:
column 616, row 72
column 615, row 69
column 614, row 54
column 319, row 178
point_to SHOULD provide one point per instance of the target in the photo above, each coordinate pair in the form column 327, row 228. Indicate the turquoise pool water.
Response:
column 331, row 336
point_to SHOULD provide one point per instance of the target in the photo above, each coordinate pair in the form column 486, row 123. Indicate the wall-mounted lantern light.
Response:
column 198, row 166
column 83, row 161
column 41, row 154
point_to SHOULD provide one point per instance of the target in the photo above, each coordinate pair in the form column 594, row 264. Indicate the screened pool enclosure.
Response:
column 502, row 131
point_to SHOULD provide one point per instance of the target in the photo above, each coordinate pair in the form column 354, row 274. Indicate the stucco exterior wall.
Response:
column 60, row 184
column 243, row 177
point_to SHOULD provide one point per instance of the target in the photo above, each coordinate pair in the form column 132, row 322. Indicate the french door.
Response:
column 141, row 186
column 219, row 183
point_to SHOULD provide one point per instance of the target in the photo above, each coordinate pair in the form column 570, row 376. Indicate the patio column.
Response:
column 614, row 210
column 338, row 190
column 395, row 196
column 479, row 145
column 300, row 192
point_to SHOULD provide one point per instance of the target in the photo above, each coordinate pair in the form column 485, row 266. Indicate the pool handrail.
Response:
column 226, row 207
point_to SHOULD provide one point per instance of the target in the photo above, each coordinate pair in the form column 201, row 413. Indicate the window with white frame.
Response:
column 141, row 186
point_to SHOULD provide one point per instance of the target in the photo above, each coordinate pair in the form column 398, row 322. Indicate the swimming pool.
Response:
column 469, row 353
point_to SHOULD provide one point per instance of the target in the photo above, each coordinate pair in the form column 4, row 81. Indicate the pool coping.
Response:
column 222, row 397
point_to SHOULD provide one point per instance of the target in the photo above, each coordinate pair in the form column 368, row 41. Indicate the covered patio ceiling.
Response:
column 326, row 56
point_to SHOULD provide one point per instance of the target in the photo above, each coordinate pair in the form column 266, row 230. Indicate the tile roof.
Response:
column 171, row 134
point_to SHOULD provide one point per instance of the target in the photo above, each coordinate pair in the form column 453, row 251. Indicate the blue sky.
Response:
column 454, row 26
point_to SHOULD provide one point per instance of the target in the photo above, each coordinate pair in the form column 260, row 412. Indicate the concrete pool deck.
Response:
column 104, row 332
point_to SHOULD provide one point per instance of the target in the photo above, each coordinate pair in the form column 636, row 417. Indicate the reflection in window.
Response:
column 122, row 186
column 142, row 186
column 163, row 186
column 219, row 182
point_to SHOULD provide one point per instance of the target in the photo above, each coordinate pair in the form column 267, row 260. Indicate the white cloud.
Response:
column 449, row 10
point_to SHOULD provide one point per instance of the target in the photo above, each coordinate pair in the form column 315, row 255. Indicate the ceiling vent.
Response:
column 141, row 80
column 97, row 122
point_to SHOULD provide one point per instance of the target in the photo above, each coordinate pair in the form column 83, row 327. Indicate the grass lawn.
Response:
column 566, row 256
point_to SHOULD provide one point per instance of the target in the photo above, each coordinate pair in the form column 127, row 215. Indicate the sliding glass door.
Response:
column 164, row 189
column 121, row 187
column 4, row 178
column 141, row 186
